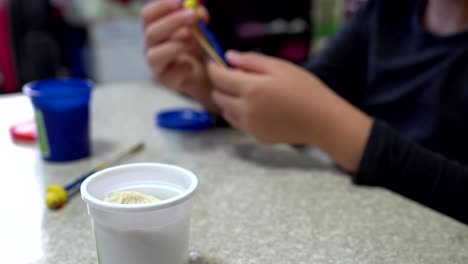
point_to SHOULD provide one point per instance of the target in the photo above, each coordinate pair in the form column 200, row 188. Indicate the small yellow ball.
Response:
column 52, row 200
column 56, row 196
column 59, row 190
column 190, row 4
column 54, row 188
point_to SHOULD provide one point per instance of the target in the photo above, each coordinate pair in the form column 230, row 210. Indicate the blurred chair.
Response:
column 33, row 51
column 33, row 43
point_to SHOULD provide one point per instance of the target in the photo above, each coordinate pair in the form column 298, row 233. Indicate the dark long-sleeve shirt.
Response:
column 416, row 86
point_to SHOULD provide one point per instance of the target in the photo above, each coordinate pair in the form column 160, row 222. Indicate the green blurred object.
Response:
column 327, row 18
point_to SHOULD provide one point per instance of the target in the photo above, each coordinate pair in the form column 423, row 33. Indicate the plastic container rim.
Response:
column 106, row 206
column 31, row 92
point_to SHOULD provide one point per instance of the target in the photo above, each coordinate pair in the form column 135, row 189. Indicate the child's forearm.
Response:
column 343, row 132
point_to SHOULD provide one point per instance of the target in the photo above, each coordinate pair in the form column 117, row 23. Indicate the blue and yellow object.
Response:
column 57, row 196
column 205, row 36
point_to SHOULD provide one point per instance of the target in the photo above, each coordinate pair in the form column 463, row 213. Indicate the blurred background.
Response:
column 102, row 39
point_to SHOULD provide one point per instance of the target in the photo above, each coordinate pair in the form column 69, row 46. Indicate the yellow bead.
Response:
column 190, row 4
column 59, row 190
column 54, row 188
column 52, row 200
column 56, row 196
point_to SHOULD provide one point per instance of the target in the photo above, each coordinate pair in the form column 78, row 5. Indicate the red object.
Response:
column 25, row 132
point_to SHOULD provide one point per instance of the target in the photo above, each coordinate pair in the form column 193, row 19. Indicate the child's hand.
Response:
column 271, row 99
column 278, row 102
column 175, row 58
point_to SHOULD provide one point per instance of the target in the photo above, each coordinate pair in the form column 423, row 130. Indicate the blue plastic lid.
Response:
column 185, row 119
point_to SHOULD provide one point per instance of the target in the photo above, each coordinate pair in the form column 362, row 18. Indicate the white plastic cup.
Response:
column 155, row 233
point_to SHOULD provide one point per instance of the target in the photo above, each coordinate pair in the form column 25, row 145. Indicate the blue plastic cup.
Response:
column 61, row 109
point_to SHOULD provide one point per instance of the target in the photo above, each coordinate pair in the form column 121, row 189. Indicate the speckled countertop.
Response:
column 255, row 204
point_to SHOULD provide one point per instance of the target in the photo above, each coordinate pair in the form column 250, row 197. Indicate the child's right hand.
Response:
column 175, row 58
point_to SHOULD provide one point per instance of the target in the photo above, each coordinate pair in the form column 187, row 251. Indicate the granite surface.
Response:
column 255, row 204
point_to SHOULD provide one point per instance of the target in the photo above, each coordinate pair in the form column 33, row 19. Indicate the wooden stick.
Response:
column 207, row 47
column 134, row 149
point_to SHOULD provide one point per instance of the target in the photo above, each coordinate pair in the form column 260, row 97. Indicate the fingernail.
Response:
column 233, row 55
column 189, row 15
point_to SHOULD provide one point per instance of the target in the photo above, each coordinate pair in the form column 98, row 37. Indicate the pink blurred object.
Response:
column 8, row 83
column 294, row 51
column 351, row 6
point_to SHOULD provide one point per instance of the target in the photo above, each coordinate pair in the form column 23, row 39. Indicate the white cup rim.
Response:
column 106, row 206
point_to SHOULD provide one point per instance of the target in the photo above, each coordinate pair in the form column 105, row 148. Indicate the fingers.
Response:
column 182, row 69
column 230, row 81
column 231, row 107
column 252, row 62
column 232, row 118
column 157, row 9
column 203, row 14
column 163, row 28
column 185, row 35
column 181, row 34
column 172, row 77
column 161, row 56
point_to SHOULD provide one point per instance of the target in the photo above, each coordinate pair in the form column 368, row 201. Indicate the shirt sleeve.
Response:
column 342, row 65
column 408, row 169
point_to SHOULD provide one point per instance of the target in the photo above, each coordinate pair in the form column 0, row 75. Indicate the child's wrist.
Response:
column 342, row 132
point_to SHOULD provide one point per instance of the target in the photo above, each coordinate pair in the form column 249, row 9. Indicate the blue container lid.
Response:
column 58, row 87
column 185, row 119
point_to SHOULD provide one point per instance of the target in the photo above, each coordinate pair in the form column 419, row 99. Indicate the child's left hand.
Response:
column 278, row 102
column 273, row 100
